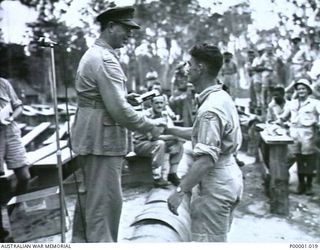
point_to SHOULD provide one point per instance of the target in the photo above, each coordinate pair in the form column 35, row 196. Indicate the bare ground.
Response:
column 252, row 223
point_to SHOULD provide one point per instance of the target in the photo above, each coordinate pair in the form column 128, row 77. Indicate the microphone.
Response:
column 46, row 42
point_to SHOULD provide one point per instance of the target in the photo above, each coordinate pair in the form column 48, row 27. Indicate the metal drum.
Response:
column 157, row 224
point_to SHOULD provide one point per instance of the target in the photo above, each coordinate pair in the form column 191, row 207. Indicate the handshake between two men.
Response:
column 157, row 142
column 157, row 112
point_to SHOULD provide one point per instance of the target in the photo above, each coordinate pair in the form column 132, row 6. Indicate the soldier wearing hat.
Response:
column 229, row 74
column 100, row 130
column 182, row 100
column 304, row 113
column 256, row 69
column 249, row 78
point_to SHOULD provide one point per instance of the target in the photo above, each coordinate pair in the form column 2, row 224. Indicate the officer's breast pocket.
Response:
column 114, row 136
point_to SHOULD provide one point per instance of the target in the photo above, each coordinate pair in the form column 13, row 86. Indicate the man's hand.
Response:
column 131, row 98
column 174, row 201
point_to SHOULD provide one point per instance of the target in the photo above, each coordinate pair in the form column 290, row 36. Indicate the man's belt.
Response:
column 85, row 102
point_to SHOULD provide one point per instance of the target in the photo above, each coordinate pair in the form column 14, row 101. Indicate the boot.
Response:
column 172, row 177
column 158, row 183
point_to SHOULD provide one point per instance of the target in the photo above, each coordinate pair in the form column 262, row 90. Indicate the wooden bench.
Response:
column 62, row 131
column 51, row 160
column 22, row 125
column 37, row 155
column 47, row 168
column 36, row 131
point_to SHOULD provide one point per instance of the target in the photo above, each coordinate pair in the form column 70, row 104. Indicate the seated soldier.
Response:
column 277, row 104
column 146, row 146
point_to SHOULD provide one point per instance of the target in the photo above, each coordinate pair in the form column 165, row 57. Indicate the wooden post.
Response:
column 279, row 174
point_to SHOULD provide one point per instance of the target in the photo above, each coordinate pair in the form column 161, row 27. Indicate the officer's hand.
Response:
column 131, row 98
column 174, row 202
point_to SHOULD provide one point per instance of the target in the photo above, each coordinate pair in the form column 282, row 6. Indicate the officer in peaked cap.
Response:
column 122, row 15
column 99, row 133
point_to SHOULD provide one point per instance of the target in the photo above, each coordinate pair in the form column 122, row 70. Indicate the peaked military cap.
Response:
column 122, row 15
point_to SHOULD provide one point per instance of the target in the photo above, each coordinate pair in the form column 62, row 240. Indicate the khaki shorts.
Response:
column 218, row 195
column 12, row 152
column 304, row 141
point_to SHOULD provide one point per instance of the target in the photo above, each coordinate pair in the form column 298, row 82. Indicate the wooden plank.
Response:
column 34, row 133
column 51, row 160
column 62, row 131
column 34, row 215
column 41, row 153
column 275, row 139
column 22, row 125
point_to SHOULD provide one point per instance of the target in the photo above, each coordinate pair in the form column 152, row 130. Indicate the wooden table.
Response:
column 279, row 174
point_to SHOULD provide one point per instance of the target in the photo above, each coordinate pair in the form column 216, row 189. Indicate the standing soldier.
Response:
column 216, row 137
column 182, row 99
column 299, row 61
column 304, row 114
column 230, row 75
column 12, row 151
column 99, row 134
column 249, row 78
column 269, row 75
column 257, row 69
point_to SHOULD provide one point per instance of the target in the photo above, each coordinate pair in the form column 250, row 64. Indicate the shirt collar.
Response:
column 102, row 43
column 204, row 94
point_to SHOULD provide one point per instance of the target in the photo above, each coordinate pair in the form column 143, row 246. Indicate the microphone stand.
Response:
column 53, row 84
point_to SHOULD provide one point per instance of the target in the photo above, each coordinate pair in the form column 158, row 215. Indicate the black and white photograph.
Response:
column 159, row 121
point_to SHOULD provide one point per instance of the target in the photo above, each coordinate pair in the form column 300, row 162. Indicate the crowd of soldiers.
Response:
column 284, row 92
column 267, row 69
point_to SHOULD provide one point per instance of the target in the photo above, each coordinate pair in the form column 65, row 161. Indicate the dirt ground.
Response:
column 252, row 223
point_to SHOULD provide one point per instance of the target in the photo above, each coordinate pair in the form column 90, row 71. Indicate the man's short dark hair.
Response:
column 208, row 54
column 278, row 89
